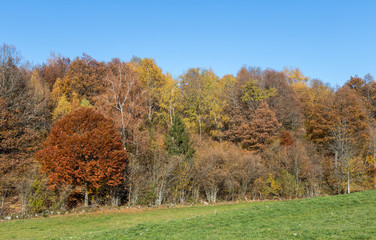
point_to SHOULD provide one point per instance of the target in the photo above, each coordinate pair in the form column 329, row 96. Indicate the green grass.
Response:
column 351, row 216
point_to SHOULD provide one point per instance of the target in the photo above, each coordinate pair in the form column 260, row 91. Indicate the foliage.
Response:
column 260, row 134
column 261, row 131
column 63, row 107
column 41, row 198
column 177, row 140
column 83, row 149
column 84, row 77
column 203, row 105
column 85, row 103
column 253, row 93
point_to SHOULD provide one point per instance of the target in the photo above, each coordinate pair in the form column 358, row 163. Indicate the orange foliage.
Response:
column 83, row 148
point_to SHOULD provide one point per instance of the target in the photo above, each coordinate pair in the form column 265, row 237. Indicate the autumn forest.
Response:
column 78, row 133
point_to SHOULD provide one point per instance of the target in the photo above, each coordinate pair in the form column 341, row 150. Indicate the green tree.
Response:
column 177, row 140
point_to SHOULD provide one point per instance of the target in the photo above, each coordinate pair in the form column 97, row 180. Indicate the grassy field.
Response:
column 350, row 216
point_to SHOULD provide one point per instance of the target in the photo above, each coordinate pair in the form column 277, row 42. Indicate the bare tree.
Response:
column 343, row 152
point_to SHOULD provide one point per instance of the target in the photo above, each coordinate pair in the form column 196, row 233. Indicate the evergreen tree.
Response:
column 177, row 140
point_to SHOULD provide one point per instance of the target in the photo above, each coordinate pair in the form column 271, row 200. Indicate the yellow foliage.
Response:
column 63, row 107
column 57, row 91
column 296, row 78
column 273, row 187
column 38, row 88
column 161, row 90
column 371, row 160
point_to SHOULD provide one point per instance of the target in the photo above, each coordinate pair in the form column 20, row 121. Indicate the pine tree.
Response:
column 177, row 140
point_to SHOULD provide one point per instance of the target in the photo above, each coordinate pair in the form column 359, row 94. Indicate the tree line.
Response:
column 84, row 132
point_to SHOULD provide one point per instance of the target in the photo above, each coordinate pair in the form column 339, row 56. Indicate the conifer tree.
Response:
column 177, row 140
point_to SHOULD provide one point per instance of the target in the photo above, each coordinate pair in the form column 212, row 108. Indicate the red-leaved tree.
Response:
column 85, row 150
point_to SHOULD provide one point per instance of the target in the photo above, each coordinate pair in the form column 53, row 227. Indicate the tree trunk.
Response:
column 199, row 123
column 2, row 206
column 348, row 178
column 296, row 170
column 24, row 200
column 243, row 190
column 182, row 196
column 211, row 194
column 115, row 198
column 86, row 195
column 196, row 193
column 158, row 200
column 150, row 112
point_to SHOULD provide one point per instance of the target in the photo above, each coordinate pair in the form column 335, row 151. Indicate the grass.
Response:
column 351, row 216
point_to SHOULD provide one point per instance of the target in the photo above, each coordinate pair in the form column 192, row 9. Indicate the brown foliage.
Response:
column 318, row 105
column 84, row 77
column 285, row 104
column 350, row 113
column 55, row 68
column 224, row 165
column 83, row 148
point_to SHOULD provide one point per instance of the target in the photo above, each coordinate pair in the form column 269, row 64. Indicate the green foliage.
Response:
column 288, row 184
column 40, row 197
column 177, row 140
column 85, row 103
column 255, row 94
column 148, row 198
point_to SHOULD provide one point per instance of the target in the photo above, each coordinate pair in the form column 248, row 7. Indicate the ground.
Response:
column 351, row 216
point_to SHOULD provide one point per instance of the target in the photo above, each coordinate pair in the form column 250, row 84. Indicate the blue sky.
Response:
column 329, row 40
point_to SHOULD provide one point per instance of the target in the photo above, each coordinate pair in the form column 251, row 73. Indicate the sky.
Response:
column 328, row 40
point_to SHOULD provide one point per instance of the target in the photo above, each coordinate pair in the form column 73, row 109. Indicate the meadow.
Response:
column 351, row 216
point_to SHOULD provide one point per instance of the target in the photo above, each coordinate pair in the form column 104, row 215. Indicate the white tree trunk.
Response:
column 86, row 195
column 348, row 181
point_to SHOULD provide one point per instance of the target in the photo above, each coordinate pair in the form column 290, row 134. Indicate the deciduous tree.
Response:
column 84, row 150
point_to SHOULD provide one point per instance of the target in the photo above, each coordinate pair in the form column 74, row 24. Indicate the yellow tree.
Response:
column 295, row 78
column 37, row 87
column 63, row 107
column 169, row 102
column 203, row 101
column 152, row 78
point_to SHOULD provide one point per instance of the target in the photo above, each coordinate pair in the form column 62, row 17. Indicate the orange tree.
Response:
column 84, row 150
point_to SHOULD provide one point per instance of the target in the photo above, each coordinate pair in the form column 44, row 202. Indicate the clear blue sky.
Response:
column 330, row 40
